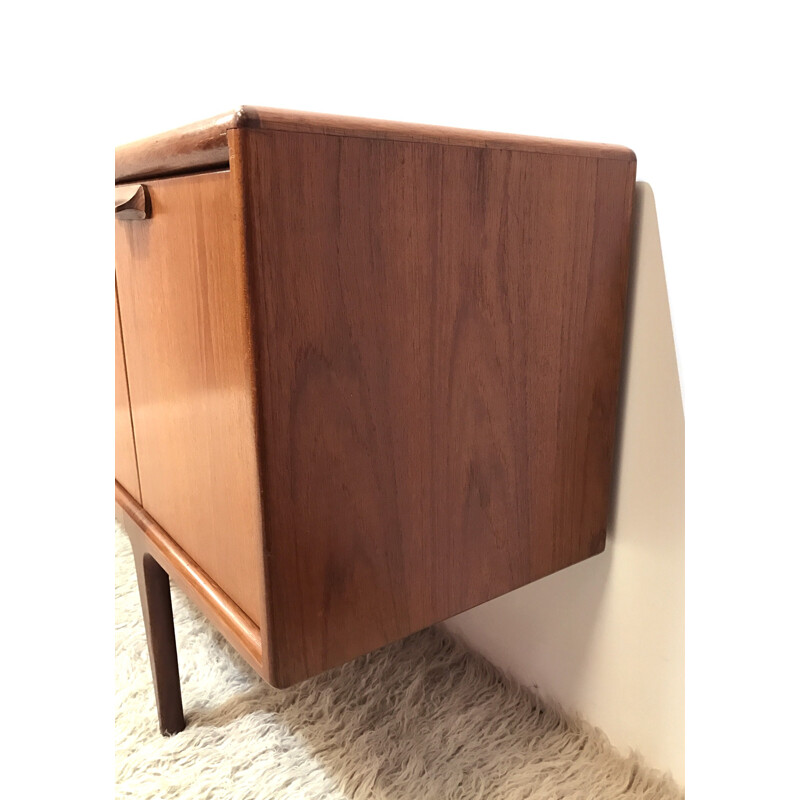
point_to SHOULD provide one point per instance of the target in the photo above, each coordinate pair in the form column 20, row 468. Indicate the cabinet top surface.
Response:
column 204, row 145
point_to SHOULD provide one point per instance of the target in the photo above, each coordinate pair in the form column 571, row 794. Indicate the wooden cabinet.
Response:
column 373, row 370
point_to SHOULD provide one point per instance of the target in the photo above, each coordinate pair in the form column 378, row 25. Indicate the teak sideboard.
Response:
column 366, row 375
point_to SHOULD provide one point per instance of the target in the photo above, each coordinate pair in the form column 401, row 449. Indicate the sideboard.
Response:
column 366, row 375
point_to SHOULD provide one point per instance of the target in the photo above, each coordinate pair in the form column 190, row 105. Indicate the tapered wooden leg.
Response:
column 158, row 622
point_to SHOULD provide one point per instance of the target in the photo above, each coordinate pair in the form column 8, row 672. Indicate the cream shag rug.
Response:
column 422, row 718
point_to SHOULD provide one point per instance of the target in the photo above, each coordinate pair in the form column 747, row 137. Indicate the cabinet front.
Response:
column 185, row 327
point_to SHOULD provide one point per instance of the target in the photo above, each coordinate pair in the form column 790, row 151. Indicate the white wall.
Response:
column 606, row 636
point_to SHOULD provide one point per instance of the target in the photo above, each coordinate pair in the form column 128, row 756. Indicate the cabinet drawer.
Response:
column 182, row 299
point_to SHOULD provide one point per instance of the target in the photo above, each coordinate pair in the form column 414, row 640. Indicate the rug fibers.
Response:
column 419, row 719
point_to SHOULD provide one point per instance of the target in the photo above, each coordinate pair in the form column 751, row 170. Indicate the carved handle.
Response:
column 131, row 202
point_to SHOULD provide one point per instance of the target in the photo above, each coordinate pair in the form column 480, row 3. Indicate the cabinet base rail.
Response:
column 158, row 559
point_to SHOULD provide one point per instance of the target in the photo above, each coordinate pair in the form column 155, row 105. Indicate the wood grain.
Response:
column 203, row 145
column 148, row 536
column 185, row 324
column 200, row 146
column 125, row 469
column 277, row 119
column 438, row 335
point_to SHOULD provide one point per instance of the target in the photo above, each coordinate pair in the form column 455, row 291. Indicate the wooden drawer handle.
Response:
column 131, row 202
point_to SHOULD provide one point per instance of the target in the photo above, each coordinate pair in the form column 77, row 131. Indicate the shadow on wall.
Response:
column 605, row 637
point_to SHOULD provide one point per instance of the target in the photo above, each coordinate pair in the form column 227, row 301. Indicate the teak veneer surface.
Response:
column 373, row 368
column 204, row 145
column 438, row 334
column 185, row 324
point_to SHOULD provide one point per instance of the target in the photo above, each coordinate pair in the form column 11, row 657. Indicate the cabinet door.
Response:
column 185, row 325
column 124, row 451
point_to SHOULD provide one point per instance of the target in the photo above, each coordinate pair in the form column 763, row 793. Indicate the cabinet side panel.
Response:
column 183, row 304
column 125, row 469
column 439, row 339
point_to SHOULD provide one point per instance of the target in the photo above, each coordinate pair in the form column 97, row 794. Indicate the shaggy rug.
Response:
column 421, row 718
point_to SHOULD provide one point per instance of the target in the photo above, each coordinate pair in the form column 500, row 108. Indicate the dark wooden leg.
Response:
column 158, row 622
